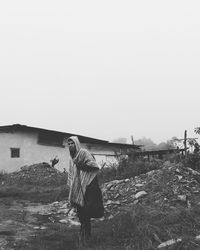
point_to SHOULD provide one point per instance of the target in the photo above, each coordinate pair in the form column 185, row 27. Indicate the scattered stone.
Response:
column 109, row 186
column 140, row 194
column 116, row 196
column 197, row 237
column 179, row 177
column 102, row 219
column 109, row 202
column 110, row 217
column 116, row 202
column 139, row 185
column 194, row 172
column 37, row 227
column 36, row 174
column 169, row 183
column 182, row 197
column 169, row 243
column 189, row 204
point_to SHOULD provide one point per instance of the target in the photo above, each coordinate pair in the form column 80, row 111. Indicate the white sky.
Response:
column 104, row 69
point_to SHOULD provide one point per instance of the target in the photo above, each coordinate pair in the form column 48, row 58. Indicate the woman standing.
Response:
column 85, row 194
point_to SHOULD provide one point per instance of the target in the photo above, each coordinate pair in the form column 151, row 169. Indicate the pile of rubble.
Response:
column 168, row 187
column 58, row 211
column 38, row 174
column 171, row 185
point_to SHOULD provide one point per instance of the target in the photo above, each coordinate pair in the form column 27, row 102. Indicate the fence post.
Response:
column 185, row 142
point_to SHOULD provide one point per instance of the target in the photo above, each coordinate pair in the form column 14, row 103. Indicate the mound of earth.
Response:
column 37, row 174
column 170, row 186
column 167, row 188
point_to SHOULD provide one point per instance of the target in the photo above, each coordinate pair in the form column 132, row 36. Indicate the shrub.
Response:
column 145, row 227
column 127, row 168
column 192, row 161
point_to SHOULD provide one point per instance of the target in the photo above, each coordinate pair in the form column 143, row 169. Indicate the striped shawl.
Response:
column 78, row 180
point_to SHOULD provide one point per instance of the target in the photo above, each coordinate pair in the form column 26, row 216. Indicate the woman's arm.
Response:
column 88, row 167
column 87, row 163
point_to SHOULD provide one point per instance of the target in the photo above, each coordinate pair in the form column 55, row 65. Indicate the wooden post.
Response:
column 132, row 140
column 185, row 142
column 185, row 139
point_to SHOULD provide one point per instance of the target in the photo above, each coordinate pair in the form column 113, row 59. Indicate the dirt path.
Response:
column 26, row 225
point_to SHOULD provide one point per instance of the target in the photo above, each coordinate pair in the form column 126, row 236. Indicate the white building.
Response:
column 22, row 145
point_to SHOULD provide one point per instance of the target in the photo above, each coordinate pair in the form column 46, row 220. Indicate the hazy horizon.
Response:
column 106, row 70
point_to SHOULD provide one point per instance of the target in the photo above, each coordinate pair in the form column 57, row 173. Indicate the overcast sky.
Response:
column 104, row 69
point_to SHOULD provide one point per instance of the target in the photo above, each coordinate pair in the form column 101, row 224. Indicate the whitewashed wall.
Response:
column 30, row 151
column 103, row 154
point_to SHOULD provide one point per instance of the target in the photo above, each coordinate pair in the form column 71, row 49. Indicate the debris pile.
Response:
column 58, row 211
column 171, row 185
column 161, row 192
column 38, row 174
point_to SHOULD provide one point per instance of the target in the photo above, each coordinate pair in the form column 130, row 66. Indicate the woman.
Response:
column 85, row 194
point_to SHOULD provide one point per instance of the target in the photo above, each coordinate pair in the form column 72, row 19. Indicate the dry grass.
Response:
column 144, row 228
column 35, row 193
column 38, row 182
column 127, row 168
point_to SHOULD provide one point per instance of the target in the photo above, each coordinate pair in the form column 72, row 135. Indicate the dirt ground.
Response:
column 33, row 211
column 140, row 213
column 29, row 225
column 22, row 227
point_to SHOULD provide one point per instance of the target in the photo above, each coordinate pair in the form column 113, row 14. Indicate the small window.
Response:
column 15, row 152
column 50, row 138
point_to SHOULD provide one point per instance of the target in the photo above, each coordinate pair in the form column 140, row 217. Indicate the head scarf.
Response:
column 78, row 180
column 76, row 142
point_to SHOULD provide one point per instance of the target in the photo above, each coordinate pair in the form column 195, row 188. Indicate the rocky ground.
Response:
column 37, row 174
column 166, row 200
column 168, row 186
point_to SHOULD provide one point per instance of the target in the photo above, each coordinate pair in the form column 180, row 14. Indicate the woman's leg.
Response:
column 80, row 214
column 85, row 220
column 87, row 227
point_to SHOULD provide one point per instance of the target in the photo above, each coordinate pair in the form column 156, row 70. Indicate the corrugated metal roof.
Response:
column 29, row 128
column 83, row 139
